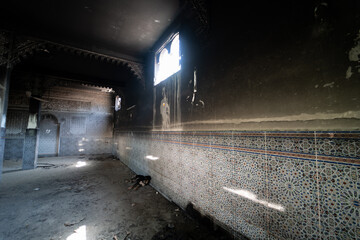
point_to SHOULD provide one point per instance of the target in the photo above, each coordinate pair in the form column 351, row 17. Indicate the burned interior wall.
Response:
column 269, row 147
column 166, row 108
column 135, row 110
column 283, row 65
column 275, row 66
column 74, row 119
column 16, row 124
column 84, row 115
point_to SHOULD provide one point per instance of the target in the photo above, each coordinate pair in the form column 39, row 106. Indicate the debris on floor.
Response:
column 46, row 165
column 73, row 223
column 140, row 181
column 88, row 201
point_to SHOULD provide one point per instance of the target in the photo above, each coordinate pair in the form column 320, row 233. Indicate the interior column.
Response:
column 31, row 141
column 5, row 72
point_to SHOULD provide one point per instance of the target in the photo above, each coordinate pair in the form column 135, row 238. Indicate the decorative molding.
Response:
column 135, row 67
column 138, row 70
column 67, row 105
column 4, row 48
column 25, row 46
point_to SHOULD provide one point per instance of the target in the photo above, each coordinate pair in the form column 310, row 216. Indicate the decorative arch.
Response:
column 49, row 116
column 14, row 49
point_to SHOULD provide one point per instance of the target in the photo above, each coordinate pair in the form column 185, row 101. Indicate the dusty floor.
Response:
column 87, row 197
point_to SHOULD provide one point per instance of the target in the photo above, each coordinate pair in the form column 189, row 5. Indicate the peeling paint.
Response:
column 329, row 85
column 165, row 110
column 291, row 118
column 349, row 72
column 202, row 103
column 32, row 123
column 355, row 51
column 354, row 58
column 316, row 10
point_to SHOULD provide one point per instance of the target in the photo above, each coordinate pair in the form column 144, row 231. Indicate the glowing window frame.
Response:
column 117, row 103
column 167, row 63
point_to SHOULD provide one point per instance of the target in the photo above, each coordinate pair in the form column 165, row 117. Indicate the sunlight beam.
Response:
column 151, row 157
column 79, row 234
column 80, row 164
column 251, row 196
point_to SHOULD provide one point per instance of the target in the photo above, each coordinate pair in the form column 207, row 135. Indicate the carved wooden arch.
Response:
column 14, row 49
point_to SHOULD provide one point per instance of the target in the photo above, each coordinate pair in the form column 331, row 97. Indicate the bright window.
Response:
column 117, row 103
column 167, row 59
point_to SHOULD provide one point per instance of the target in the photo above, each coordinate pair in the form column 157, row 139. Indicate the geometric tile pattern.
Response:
column 69, row 146
column 81, row 123
column 16, row 122
column 30, row 152
column 97, row 139
column 13, row 148
column 264, row 185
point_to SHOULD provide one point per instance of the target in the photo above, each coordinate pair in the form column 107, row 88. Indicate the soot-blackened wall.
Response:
column 284, row 65
column 269, row 144
column 75, row 119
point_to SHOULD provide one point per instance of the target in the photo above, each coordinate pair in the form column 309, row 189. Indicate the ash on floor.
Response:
column 88, row 197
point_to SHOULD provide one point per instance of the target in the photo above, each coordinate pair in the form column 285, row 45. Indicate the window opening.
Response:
column 117, row 103
column 167, row 59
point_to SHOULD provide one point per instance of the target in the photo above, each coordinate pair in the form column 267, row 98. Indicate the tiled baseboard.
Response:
column 281, row 185
column 68, row 147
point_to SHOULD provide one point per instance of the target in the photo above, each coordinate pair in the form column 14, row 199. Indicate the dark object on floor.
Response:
column 193, row 226
column 140, row 181
column 170, row 233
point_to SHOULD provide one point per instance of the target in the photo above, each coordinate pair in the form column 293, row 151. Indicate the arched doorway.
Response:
column 49, row 136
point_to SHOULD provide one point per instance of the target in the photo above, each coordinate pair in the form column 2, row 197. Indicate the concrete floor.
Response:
column 87, row 197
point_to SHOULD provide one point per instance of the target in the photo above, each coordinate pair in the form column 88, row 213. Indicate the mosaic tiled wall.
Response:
column 96, row 140
column 16, row 122
column 263, row 185
column 75, row 120
column 13, row 148
column 96, row 137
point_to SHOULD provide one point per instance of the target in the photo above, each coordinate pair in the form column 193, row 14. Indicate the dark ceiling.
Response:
column 126, row 28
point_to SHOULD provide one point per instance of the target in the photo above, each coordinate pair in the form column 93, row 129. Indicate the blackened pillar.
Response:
column 5, row 72
column 31, row 141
